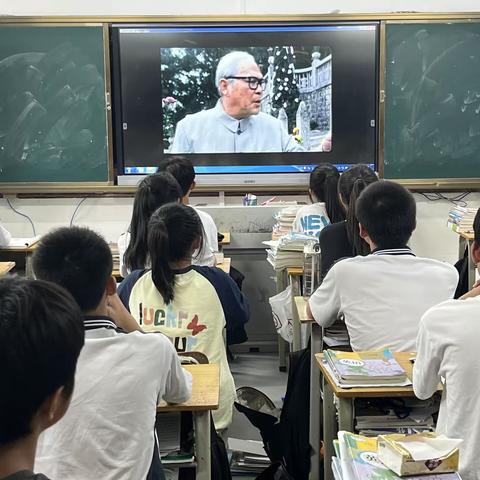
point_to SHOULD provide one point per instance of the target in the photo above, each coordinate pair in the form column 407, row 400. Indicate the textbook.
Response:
column 370, row 367
column 362, row 463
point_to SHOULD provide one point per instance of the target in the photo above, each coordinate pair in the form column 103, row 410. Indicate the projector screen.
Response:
column 245, row 99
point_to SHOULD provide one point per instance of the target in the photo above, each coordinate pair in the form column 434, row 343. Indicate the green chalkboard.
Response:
column 432, row 101
column 53, row 122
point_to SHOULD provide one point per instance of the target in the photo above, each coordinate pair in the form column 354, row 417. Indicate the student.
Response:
column 152, row 192
column 182, row 169
column 190, row 304
column 447, row 347
column 325, row 207
column 5, row 236
column 342, row 239
column 383, row 295
column 41, row 335
column 108, row 433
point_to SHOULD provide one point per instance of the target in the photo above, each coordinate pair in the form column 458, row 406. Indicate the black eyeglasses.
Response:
column 253, row 82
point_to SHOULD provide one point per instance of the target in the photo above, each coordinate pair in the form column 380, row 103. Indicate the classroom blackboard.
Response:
column 432, row 101
column 53, row 122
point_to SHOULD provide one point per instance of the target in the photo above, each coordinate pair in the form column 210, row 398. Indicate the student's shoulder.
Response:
column 214, row 275
column 204, row 216
column 451, row 312
column 150, row 343
column 439, row 266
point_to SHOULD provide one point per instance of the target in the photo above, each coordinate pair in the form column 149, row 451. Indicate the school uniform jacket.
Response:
column 206, row 300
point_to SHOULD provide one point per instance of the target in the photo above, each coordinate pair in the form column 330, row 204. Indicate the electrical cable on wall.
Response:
column 76, row 209
column 457, row 200
column 23, row 215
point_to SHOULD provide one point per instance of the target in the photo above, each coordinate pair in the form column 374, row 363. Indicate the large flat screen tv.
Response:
column 247, row 103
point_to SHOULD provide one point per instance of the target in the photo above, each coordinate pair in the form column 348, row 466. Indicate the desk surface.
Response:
column 402, row 359
column 225, row 265
column 301, row 305
column 467, row 236
column 30, row 249
column 295, row 271
column 205, row 390
column 5, row 267
column 226, row 238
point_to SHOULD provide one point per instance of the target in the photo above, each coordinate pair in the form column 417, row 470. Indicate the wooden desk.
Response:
column 205, row 397
column 225, row 265
column 26, row 251
column 5, row 267
column 346, row 397
column 226, row 239
column 300, row 317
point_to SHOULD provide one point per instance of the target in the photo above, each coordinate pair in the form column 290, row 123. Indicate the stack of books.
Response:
column 407, row 415
column 283, row 221
column 460, row 219
column 115, row 256
column 356, row 459
column 287, row 251
column 370, row 368
column 248, row 457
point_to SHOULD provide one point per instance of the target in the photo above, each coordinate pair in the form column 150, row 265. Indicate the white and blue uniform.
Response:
column 206, row 300
column 311, row 219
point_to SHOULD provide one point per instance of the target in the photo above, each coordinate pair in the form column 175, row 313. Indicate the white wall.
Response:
column 231, row 7
column 110, row 217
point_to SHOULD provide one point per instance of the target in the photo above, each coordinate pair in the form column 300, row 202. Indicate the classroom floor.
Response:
column 259, row 371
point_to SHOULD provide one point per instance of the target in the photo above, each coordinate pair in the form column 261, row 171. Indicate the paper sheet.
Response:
column 424, row 448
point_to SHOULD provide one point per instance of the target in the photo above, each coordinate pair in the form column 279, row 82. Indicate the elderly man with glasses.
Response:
column 235, row 124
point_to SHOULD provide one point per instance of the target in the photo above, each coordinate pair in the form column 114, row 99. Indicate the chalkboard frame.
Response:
column 444, row 183
column 13, row 187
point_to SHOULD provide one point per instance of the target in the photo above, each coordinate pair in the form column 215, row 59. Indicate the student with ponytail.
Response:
column 153, row 192
column 343, row 239
column 325, row 207
column 192, row 305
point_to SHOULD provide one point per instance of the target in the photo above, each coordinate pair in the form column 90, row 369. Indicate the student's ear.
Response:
column 363, row 232
column 111, row 287
column 52, row 409
column 475, row 253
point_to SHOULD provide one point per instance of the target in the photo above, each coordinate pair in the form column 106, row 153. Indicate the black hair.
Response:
column 476, row 227
column 387, row 212
column 324, row 185
column 41, row 335
column 79, row 260
column 182, row 169
column 172, row 231
column 153, row 192
column 351, row 184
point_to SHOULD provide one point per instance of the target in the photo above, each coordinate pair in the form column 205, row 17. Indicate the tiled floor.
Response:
column 259, row 371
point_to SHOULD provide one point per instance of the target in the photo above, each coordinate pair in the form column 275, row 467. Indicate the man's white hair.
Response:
column 230, row 64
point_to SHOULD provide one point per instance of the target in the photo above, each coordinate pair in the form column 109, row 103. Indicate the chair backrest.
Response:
column 199, row 357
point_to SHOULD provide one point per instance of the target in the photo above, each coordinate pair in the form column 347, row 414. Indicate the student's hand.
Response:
column 120, row 315
column 474, row 292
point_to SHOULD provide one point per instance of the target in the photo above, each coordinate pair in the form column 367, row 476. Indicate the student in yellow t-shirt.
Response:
column 190, row 304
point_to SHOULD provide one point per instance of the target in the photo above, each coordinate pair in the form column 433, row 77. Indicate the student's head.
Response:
column 476, row 243
column 182, row 170
column 323, row 187
column 352, row 182
column 153, row 192
column 174, row 233
column 41, row 335
column 79, row 260
column 386, row 212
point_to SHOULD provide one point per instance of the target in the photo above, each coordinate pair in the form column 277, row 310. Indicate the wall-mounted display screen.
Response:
column 245, row 99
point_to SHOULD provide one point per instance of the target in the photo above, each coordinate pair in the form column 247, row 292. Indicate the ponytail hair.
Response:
column 324, row 186
column 351, row 184
column 153, row 192
column 173, row 232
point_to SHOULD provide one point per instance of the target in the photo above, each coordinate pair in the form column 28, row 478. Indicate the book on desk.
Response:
column 371, row 367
